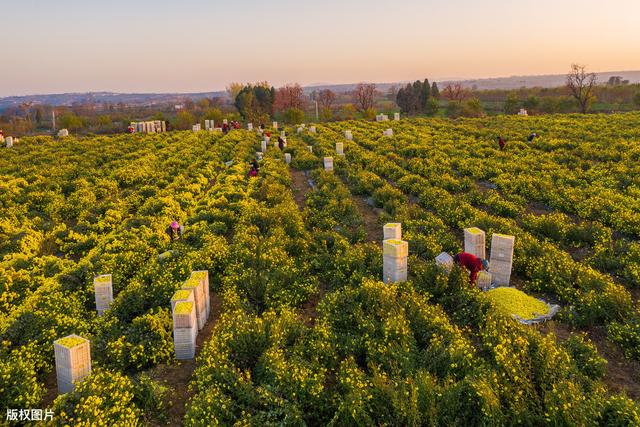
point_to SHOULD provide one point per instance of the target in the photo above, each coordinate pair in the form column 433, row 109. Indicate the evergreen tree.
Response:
column 255, row 103
column 426, row 94
column 435, row 92
column 401, row 100
column 416, row 98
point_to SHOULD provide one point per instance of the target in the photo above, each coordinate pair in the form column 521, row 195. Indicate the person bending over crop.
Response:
column 280, row 143
column 175, row 231
column 501, row 143
column 472, row 263
column 531, row 137
column 253, row 172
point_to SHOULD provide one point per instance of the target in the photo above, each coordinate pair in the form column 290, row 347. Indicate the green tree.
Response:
column 255, row 102
column 184, row 120
column 70, row 121
column 104, row 121
column 369, row 114
column 432, row 107
column 454, row 109
column 636, row 99
column 473, row 108
column 294, row 116
column 326, row 114
column 38, row 115
column 416, row 106
column 204, row 103
column 409, row 98
column 213, row 114
column 435, row 92
column 512, row 104
column 402, row 99
column 566, row 104
column 550, row 104
column 531, row 103
column 426, row 94
column 347, row 112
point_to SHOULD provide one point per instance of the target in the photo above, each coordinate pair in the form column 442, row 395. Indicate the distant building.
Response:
column 178, row 107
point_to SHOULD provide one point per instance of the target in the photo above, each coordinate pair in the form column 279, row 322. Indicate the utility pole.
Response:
column 53, row 118
column 317, row 116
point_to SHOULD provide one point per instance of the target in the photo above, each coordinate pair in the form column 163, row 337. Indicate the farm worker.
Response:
column 175, row 230
column 254, row 165
column 253, row 172
column 501, row 143
column 130, row 129
column 225, row 128
column 262, row 126
column 280, row 143
column 531, row 137
column 472, row 263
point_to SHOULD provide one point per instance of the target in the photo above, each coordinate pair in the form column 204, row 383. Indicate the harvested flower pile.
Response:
column 511, row 301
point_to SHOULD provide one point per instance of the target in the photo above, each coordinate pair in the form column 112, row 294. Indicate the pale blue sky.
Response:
column 195, row 45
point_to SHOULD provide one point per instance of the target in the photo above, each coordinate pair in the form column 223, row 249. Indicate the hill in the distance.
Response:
column 549, row 80
column 505, row 83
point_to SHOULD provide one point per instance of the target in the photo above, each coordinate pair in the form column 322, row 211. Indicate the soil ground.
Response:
column 178, row 375
column 370, row 215
column 300, row 186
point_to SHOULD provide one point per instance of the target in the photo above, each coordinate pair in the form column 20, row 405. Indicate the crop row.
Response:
column 105, row 210
column 590, row 297
column 432, row 351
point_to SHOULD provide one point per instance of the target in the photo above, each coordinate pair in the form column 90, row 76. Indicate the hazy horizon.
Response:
column 200, row 46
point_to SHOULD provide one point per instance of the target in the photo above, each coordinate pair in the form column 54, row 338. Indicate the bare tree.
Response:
column 364, row 96
column 326, row 98
column 580, row 84
column 392, row 93
column 289, row 96
column 455, row 92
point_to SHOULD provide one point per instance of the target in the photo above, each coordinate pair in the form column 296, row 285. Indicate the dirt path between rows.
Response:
column 300, row 187
column 178, row 375
column 370, row 215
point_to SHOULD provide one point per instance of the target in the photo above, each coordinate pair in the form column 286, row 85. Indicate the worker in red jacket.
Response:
column 501, row 143
column 472, row 263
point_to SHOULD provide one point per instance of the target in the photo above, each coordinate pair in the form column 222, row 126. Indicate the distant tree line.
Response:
column 260, row 102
